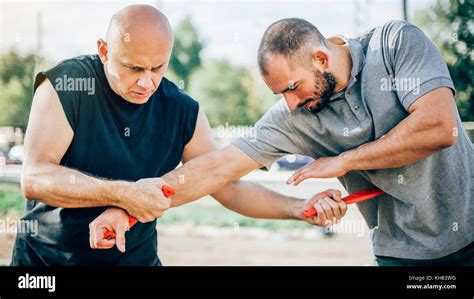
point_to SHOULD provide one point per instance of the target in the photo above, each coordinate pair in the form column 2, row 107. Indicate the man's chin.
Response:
column 136, row 100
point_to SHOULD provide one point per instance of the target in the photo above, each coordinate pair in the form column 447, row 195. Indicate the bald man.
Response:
column 101, row 128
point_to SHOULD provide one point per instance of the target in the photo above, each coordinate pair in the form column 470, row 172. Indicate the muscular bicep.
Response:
column 435, row 111
column 202, row 141
column 49, row 134
column 440, row 99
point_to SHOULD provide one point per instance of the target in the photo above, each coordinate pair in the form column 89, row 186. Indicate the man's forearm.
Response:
column 60, row 186
column 256, row 201
column 413, row 139
column 208, row 173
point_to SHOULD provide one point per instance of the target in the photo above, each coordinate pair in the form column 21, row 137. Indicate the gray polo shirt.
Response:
column 426, row 211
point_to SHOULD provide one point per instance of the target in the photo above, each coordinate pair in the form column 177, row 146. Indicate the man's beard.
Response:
column 324, row 84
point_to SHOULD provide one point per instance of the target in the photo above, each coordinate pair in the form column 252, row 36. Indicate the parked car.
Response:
column 292, row 162
column 16, row 154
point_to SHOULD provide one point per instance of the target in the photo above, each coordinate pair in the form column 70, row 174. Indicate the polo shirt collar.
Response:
column 358, row 58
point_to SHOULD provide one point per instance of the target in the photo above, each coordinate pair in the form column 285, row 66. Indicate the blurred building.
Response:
column 10, row 136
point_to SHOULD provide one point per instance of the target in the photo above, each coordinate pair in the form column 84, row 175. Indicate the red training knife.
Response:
column 351, row 198
column 167, row 192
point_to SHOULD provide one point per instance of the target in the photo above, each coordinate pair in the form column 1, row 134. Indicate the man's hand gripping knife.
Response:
column 167, row 192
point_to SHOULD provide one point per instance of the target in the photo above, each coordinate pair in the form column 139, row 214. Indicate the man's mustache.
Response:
column 306, row 102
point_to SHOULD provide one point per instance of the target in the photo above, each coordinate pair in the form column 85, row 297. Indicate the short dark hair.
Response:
column 288, row 37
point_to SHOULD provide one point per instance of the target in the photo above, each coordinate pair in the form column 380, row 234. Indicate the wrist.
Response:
column 295, row 208
column 116, row 193
column 347, row 163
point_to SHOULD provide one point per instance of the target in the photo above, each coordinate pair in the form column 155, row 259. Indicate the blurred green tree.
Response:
column 185, row 57
column 229, row 94
column 449, row 23
column 16, row 88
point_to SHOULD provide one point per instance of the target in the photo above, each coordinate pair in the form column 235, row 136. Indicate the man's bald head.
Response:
column 136, row 24
column 136, row 52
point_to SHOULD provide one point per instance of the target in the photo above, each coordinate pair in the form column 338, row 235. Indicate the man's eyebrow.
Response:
column 288, row 88
column 137, row 66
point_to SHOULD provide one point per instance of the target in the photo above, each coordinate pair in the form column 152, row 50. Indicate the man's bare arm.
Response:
column 207, row 171
column 215, row 173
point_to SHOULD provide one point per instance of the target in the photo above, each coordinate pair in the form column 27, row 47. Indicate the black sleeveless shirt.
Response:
column 113, row 139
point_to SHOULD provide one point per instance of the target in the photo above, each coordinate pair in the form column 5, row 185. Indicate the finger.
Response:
column 98, row 237
column 101, row 244
column 298, row 172
column 342, row 207
column 302, row 176
column 336, row 194
column 92, row 229
column 99, row 241
column 105, row 243
column 327, row 210
column 291, row 179
column 120, row 236
column 91, row 243
column 334, row 208
column 318, row 197
column 320, row 219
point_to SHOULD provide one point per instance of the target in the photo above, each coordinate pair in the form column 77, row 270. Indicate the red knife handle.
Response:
column 167, row 192
column 351, row 198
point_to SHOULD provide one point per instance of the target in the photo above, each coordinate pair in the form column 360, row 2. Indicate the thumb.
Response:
column 120, row 236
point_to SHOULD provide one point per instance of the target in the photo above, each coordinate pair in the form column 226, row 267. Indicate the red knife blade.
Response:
column 351, row 198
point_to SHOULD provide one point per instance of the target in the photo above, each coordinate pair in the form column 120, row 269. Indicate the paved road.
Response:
column 10, row 173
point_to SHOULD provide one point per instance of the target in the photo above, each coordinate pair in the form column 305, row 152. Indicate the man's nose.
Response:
column 292, row 102
column 145, row 81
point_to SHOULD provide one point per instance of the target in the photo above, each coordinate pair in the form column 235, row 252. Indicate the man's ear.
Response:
column 102, row 50
column 320, row 60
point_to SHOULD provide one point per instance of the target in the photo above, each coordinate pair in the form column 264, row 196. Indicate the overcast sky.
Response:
column 231, row 29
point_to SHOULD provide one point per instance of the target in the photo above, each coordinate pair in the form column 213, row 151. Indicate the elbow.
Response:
column 226, row 194
column 449, row 137
column 29, row 185
column 448, row 141
column 445, row 140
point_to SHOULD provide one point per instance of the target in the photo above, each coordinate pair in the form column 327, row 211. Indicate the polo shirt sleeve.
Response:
column 272, row 137
column 417, row 64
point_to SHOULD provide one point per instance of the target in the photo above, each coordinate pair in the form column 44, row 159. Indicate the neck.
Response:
column 342, row 66
column 106, row 72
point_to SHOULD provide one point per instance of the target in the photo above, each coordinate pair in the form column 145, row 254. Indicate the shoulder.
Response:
column 397, row 31
column 80, row 64
column 170, row 92
column 77, row 67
